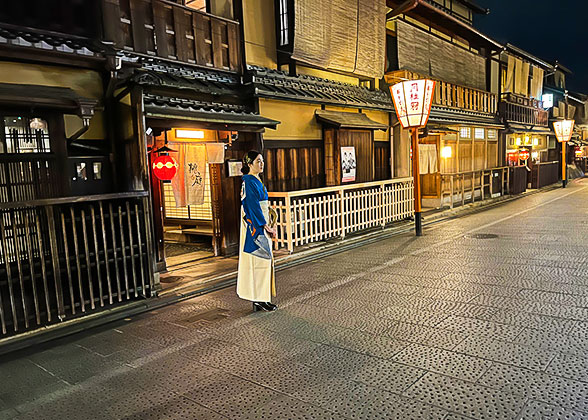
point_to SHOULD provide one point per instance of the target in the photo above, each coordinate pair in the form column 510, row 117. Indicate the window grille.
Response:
column 492, row 134
column 284, row 23
column 199, row 212
column 25, row 135
column 465, row 133
column 479, row 133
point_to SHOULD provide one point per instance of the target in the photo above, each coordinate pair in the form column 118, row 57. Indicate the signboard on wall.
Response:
column 348, row 164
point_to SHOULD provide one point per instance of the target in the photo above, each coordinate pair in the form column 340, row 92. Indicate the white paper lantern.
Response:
column 412, row 101
column 563, row 130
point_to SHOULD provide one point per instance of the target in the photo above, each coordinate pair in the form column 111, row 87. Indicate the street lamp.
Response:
column 563, row 131
column 412, row 101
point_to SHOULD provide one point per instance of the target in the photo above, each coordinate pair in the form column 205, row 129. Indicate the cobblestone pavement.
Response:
column 484, row 317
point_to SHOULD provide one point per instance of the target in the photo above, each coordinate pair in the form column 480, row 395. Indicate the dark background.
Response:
column 549, row 29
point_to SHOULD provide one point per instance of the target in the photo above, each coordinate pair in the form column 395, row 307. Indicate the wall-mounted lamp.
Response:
column 446, row 152
column 189, row 134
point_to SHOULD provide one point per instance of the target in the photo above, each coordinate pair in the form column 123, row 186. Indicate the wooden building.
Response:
column 75, row 238
column 460, row 149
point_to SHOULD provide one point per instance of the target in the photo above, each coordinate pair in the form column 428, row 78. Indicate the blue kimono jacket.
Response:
column 254, row 199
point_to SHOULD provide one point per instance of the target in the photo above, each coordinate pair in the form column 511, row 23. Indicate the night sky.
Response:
column 549, row 29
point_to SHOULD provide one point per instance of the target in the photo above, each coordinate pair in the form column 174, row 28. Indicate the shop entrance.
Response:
column 196, row 215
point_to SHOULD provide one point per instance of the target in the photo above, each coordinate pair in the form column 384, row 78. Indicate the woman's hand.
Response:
column 272, row 232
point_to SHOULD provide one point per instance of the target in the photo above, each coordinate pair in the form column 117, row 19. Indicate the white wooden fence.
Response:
column 313, row 215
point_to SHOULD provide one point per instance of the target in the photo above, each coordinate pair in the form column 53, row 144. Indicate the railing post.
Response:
column 289, row 230
column 383, row 206
column 482, row 184
column 451, row 183
column 491, row 182
column 342, row 212
column 55, row 262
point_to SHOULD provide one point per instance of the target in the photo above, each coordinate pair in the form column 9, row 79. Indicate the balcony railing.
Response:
column 450, row 95
column 168, row 30
column 524, row 114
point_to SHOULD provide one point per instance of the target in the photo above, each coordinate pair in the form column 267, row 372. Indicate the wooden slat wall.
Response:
column 294, row 168
column 382, row 160
column 363, row 142
column 60, row 261
column 173, row 31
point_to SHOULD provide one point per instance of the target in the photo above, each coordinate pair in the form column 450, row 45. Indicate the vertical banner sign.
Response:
column 348, row 164
column 188, row 185
column 195, row 174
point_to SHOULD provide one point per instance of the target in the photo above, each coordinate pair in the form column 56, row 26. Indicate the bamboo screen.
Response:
column 341, row 36
column 424, row 53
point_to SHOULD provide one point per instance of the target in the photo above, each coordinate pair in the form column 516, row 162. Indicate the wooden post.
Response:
column 417, row 182
column 289, row 230
column 342, row 212
column 563, row 164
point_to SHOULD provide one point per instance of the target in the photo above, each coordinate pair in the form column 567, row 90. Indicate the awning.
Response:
column 348, row 120
column 521, row 128
column 47, row 97
column 167, row 111
column 447, row 117
column 434, row 13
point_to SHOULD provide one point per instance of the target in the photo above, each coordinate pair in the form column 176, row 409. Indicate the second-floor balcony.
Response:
column 450, row 95
column 523, row 111
column 164, row 29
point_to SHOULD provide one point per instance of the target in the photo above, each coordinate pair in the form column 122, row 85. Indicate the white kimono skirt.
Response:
column 255, row 279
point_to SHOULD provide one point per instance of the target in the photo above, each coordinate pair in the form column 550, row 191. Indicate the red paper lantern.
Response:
column 165, row 167
column 524, row 154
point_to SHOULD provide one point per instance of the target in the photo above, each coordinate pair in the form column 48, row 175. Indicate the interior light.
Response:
column 518, row 141
column 189, row 134
column 535, row 141
column 446, row 152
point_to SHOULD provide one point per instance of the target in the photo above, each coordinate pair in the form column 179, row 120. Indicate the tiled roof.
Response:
column 158, row 106
column 49, row 41
column 455, row 116
column 279, row 85
column 155, row 73
column 193, row 105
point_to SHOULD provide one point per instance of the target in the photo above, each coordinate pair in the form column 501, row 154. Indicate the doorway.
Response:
column 197, row 226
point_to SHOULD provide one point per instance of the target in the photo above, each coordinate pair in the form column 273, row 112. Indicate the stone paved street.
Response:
column 484, row 317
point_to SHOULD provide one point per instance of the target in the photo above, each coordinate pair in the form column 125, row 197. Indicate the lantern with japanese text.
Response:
column 563, row 131
column 165, row 167
column 412, row 101
column 524, row 154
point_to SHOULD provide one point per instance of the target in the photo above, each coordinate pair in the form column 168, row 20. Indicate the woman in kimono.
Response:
column 255, row 280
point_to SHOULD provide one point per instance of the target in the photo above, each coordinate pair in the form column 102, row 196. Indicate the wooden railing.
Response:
column 172, row 31
column 472, row 185
column 313, row 215
column 66, row 257
column 545, row 173
column 524, row 114
column 451, row 95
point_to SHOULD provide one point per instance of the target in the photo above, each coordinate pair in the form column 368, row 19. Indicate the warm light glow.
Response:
column 535, row 141
column 413, row 100
column 527, row 139
column 563, row 130
column 535, row 155
column 547, row 100
column 524, row 154
column 446, row 152
column 189, row 134
column 518, row 141
column 579, row 153
column 165, row 167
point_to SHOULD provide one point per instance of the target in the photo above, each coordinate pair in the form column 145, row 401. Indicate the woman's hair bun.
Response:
column 248, row 160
